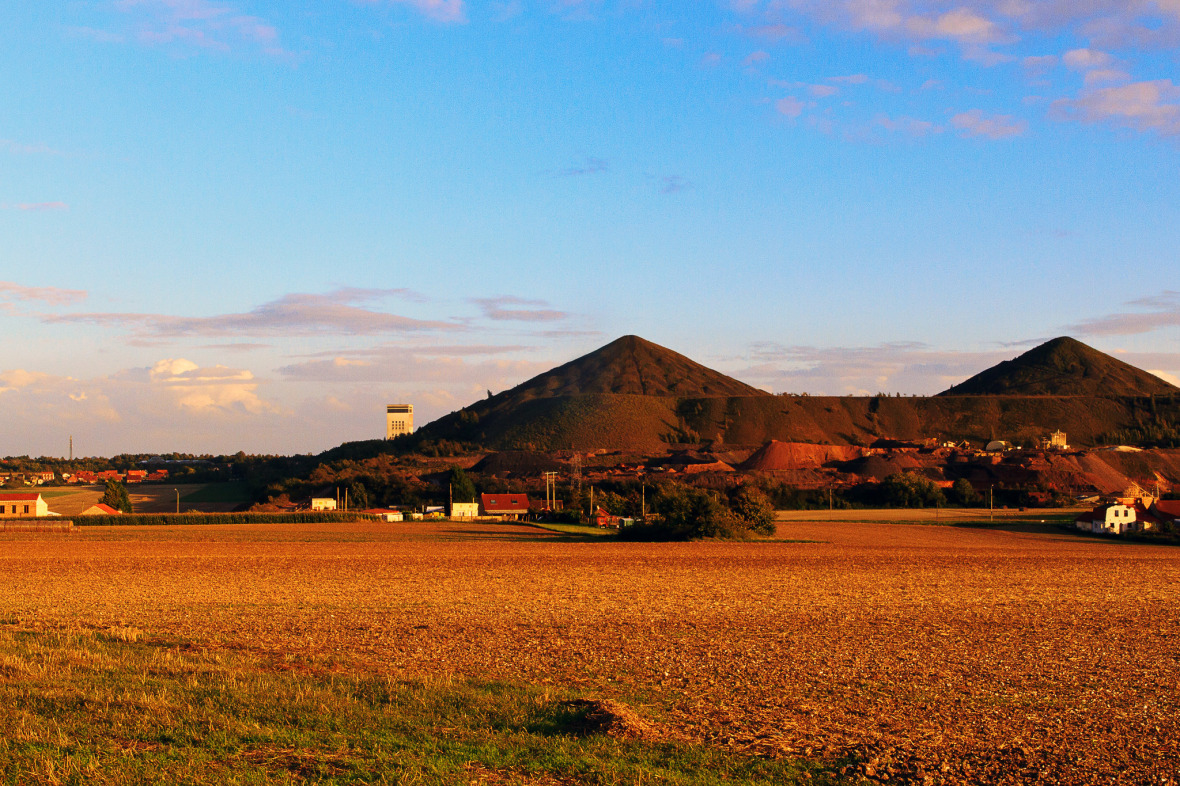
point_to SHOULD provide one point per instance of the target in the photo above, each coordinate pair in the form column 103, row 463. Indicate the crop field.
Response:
column 844, row 651
column 151, row 497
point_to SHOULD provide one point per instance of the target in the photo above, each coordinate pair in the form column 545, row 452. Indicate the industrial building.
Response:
column 399, row 419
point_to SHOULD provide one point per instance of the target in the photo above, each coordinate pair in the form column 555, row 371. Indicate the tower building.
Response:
column 399, row 419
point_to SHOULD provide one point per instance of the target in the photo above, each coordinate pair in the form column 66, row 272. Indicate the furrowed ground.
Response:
column 926, row 654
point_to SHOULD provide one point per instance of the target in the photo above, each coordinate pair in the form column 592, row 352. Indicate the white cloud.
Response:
column 976, row 123
column 790, row 107
column 908, row 126
column 53, row 295
column 1141, row 106
column 340, row 312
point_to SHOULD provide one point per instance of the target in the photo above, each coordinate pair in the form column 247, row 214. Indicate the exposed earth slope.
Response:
column 1063, row 367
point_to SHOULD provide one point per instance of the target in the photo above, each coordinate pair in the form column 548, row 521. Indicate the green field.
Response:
column 235, row 493
column 113, row 707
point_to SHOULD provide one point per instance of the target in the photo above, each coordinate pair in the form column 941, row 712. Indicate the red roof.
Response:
column 19, row 497
column 1168, row 507
column 104, row 508
column 504, row 503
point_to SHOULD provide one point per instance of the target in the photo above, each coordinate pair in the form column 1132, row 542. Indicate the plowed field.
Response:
column 912, row 653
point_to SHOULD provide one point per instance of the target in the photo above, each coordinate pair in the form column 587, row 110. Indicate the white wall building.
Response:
column 399, row 419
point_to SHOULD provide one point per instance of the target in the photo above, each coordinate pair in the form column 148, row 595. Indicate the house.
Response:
column 602, row 518
column 1167, row 510
column 84, row 476
column 1123, row 517
column 387, row 515
column 45, row 477
column 323, row 503
column 512, row 507
column 464, row 510
column 101, row 510
column 158, row 475
column 136, row 475
column 108, row 474
column 23, row 506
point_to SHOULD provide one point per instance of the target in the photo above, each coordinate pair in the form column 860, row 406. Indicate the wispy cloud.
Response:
column 23, row 148
column 52, row 295
column 334, row 313
column 1141, row 106
column 976, row 123
column 909, row 367
column 673, row 184
column 500, row 309
column 1149, row 314
column 200, row 24
column 908, row 126
column 447, row 11
column 591, row 166
column 35, row 207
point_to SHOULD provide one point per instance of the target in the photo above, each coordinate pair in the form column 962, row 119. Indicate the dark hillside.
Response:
column 632, row 366
column 1063, row 367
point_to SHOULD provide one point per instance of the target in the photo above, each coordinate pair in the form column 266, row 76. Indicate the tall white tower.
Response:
column 399, row 419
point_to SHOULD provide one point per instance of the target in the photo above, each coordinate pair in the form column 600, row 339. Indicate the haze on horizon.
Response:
column 242, row 225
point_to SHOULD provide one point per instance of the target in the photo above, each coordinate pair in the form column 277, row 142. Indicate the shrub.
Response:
column 911, row 490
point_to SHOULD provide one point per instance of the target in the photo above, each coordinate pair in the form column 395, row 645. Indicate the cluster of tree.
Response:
column 683, row 512
column 116, row 496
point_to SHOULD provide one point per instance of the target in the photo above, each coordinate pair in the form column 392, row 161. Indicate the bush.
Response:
column 687, row 513
column 171, row 519
column 963, row 493
column 754, row 509
column 911, row 490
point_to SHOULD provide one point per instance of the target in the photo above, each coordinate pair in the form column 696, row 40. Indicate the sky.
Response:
column 242, row 225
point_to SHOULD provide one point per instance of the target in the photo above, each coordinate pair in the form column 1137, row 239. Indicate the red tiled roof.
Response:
column 1168, row 507
column 505, row 503
column 104, row 508
column 19, row 497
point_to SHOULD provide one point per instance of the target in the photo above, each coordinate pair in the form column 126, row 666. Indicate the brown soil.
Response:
column 777, row 456
column 926, row 654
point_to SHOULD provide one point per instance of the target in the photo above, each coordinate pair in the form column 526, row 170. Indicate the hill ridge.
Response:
column 1062, row 366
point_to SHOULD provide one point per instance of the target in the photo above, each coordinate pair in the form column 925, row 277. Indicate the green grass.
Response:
column 50, row 493
column 578, row 529
column 108, row 707
column 236, row 493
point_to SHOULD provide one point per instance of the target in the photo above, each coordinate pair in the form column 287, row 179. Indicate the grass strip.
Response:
column 109, row 707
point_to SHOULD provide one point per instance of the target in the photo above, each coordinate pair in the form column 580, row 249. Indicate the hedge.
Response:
column 185, row 519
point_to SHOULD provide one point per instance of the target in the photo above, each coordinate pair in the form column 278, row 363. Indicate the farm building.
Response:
column 23, row 506
column 513, row 507
column 100, row 510
column 386, row 515
column 323, row 503
column 464, row 510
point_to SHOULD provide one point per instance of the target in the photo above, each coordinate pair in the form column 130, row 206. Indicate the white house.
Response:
column 323, row 503
column 19, row 506
column 464, row 510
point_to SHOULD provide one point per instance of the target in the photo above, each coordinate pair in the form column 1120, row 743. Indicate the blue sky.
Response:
column 234, row 224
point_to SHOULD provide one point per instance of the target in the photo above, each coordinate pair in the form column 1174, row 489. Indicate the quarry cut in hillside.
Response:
column 1063, row 367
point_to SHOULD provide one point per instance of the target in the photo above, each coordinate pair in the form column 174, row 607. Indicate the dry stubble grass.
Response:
column 927, row 654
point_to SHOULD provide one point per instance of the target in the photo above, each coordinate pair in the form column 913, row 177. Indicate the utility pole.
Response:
column 72, row 449
column 643, row 501
column 177, row 500
column 346, row 499
column 991, row 502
